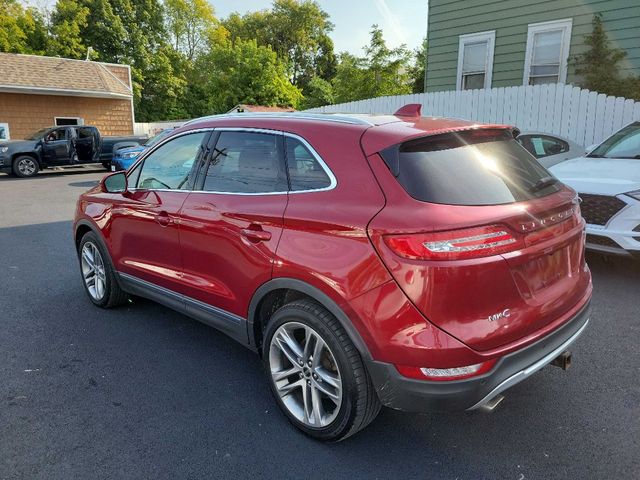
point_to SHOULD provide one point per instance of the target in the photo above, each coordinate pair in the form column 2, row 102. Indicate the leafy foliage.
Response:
column 598, row 67
column 185, row 62
column 382, row 71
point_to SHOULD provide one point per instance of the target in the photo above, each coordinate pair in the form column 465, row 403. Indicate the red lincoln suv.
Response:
column 413, row 262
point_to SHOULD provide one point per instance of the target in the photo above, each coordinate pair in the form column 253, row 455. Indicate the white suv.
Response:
column 608, row 182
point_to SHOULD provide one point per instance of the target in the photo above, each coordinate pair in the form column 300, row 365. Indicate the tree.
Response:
column 598, row 66
column 419, row 67
column 298, row 31
column 240, row 72
column 68, row 20
column 190, row 23
column 317, row 93
column 382, row 71
column 21, row 31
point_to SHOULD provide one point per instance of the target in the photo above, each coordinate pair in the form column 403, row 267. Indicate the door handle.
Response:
column 256, row 234
column 163, row 219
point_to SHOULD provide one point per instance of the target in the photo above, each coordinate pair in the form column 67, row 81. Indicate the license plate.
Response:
column 113, row 168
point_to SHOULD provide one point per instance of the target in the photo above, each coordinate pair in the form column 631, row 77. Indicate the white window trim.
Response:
column 78, row 119
column 533, row 28
column 490, row 37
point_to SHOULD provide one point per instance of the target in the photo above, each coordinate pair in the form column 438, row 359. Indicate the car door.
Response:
column 56, row 146
column 145, row 221
column 85, row 146
column 231, row 227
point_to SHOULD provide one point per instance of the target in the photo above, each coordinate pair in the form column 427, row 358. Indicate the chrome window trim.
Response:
column 333, row 182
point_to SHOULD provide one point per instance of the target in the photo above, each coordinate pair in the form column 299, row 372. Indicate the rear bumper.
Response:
column 401, row 393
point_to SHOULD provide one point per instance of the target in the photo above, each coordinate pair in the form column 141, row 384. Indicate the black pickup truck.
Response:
column 59, row 146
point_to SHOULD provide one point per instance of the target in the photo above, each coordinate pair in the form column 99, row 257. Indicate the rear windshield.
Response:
column 474, row 167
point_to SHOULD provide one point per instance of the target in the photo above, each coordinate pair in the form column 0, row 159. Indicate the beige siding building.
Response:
column 38, row 92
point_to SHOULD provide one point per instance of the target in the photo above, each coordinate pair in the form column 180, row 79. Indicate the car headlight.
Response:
column 4, row 149
column 635, row 194
column 129, row 155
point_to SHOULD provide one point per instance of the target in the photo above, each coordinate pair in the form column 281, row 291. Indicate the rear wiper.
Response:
column 544, row 182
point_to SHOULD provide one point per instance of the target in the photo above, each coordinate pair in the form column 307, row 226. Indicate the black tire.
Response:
column 360, row 404
column 106, row 165
column 25, row 166
column 113, row 295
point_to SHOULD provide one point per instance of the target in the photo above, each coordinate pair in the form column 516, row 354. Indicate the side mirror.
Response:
column 114, row 183
column 590, row 149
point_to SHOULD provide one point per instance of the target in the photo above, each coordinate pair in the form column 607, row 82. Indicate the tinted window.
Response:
column 305, row 172
column 246, row 162
column 622, row 144
column 85, row 133
column 56, row 135
column 477, row 167
column 169, row 166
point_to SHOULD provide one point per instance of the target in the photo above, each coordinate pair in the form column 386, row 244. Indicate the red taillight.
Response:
column 455, row 244
column 446, row 374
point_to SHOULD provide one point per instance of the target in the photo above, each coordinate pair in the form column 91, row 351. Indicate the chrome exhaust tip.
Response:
column 491, row 404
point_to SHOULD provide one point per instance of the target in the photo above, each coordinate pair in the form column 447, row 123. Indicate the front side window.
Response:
column 622, row 144
column 56, row 135
column 305, row 172
column 547, row 52
column 170, row 166
column 246, row 162
column 475, row 60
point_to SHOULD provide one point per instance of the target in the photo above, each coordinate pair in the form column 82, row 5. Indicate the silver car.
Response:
column 549, row 150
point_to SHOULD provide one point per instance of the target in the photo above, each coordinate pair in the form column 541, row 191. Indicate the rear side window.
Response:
column 475, row 167
column 246, row 162
column 305, row 172
column 541, row 146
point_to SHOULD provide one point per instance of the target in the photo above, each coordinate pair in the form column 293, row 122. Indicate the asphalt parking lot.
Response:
column 143, row 392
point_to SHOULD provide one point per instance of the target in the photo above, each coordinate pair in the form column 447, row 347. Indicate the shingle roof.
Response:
column 30, row 73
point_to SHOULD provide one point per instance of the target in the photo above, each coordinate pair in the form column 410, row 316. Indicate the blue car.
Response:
column 123, row 158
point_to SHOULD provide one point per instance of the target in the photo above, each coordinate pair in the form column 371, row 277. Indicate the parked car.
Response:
column 57, row 146
column 608, row 182
column 124, row 157
column 549, row 150
column 418, row 263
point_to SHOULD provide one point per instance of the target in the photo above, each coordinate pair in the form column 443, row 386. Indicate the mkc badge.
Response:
column 497, row 316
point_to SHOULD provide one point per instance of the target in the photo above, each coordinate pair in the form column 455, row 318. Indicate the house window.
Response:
column 4, row 131
column 475, row 60
column 63, row 121
column 547, row 52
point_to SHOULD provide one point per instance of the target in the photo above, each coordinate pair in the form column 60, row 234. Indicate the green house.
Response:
column 502, row 43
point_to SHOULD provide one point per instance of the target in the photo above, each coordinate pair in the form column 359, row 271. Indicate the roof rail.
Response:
column 326, row 117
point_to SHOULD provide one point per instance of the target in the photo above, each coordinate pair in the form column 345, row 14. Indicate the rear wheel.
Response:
column 98, row 276
column 316, row 374
column 25, row 166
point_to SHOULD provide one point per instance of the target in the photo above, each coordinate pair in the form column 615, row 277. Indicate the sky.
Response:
column 402, row 21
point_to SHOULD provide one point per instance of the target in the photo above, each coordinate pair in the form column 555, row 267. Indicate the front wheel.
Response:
column 25, row 166
column 98, row 276
column 316, row 374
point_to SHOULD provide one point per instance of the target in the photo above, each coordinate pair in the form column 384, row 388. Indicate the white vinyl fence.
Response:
column 571, row 112
column 152, row 128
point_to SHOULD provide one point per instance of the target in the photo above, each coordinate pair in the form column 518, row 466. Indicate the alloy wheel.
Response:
column 27, row 166
column 305, row 374
column 93, row 272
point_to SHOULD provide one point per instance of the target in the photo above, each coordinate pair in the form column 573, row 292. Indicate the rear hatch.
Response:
column 485, row 242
